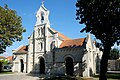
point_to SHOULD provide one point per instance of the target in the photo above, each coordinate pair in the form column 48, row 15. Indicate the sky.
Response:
column 62, row 18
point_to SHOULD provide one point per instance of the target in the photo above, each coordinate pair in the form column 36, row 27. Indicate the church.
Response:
column 50, row 52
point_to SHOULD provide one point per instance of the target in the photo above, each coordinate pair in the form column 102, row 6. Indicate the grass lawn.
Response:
column 111, row 76
column 6, row 72
column 114, row 76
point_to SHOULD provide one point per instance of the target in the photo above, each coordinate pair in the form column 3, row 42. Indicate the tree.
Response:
column 114, row 54
column 0, row 66
column 102, row 19
column 10, row 27
column 2, row 63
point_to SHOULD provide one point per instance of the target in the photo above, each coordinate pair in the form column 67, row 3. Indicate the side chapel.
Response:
column 50, row 52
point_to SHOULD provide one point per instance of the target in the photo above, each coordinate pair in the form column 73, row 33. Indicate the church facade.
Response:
column 51, row 53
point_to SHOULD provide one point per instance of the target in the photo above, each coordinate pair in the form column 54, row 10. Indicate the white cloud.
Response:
column 5, row 54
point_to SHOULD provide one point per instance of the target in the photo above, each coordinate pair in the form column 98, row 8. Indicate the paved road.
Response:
column 18, row 76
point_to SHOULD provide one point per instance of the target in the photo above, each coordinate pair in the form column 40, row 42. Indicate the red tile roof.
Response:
column 2, row 57
column 10, row 58
column 22, row 49
column 71, row 43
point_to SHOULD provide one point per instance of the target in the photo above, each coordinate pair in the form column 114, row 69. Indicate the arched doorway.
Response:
column 21, row 65
column 42, row 65
column 69, row 66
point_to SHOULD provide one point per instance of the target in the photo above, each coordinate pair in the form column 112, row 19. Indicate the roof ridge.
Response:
column 73, row 42
column 74, row 39
column 21, row 46
column 18, row 48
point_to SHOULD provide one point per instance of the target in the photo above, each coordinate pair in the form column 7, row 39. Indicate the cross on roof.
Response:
column 42, row 2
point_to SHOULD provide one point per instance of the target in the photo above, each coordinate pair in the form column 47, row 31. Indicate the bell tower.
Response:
column 39, row 39
column 42, row 15
column 41, row 29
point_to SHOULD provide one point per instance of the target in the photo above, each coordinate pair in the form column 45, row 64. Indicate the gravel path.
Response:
column 24, row 76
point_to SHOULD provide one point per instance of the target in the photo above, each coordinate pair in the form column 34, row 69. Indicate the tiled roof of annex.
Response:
column 2, row 57
column 71, row 43
column 10, row 58
column 21, row 49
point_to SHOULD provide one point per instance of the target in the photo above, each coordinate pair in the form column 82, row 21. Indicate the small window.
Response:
column 42, row 31
column 41, row 46
column 42, row 18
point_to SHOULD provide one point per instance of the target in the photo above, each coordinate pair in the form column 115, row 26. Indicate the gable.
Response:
column 21, row 49
column 51, row 31
column 60, row 35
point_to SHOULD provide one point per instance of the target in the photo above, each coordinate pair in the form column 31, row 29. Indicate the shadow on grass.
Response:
column 68, row 78
column 61, row 78
column 52, row 77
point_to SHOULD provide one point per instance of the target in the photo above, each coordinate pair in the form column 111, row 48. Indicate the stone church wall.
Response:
column 17, row 63
column 60, row 59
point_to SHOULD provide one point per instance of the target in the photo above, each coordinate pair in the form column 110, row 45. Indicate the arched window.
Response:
column 38, row 32
column 41, row 46
column 42, row 32
column 42, row 17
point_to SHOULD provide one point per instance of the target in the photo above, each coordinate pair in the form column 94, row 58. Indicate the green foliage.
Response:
column 10, row 27
column 114, row 54
column 0, row 66
column 111, row 76
column 6, row 72
column 4, row 61
column 101, row 17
